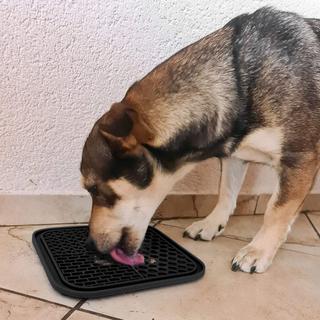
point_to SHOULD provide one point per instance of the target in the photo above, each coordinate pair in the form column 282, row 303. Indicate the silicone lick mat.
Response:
column 73, row 271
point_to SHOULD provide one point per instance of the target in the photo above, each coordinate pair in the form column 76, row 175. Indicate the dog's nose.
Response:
column 90, row 244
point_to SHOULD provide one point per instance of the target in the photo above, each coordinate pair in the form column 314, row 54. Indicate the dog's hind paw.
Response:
column 205, row 230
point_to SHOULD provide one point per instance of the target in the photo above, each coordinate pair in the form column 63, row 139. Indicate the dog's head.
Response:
column 124, row 180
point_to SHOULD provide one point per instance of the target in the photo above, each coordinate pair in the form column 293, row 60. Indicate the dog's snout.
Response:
column 125, row 238
column 90, row 244
column 129, row 242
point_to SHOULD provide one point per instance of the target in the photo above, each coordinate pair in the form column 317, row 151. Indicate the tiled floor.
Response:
column 290, row 289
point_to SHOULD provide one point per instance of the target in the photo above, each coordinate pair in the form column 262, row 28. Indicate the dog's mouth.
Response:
column 120, row 253
column 120, row 256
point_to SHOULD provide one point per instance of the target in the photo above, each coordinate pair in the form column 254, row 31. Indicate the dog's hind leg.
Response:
column 295, row 180
column 233, row 173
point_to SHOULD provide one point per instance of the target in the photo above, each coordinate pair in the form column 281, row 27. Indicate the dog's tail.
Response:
column 315, row 25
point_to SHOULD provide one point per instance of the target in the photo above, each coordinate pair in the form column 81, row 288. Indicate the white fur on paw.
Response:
column 251, row 259
column 204, row 230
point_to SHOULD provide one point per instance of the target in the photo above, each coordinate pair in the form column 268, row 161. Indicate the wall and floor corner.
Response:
column 64, row 63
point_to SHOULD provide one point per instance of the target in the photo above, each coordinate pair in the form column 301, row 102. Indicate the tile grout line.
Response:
column 255, row 208
column 300, row 252
column 195, row 206
column 313, row 226
column 75, row 308
column 99, row 314
column 34, row 297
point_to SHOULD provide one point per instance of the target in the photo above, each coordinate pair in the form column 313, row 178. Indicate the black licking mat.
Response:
column 77, row 272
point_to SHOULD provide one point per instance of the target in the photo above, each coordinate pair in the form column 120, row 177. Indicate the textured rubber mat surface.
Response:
column 74, row 271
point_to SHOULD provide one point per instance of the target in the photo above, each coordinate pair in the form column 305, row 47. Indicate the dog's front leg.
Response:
column 233, row 173
column 295, row 181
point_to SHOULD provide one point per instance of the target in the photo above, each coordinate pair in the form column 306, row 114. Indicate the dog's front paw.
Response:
column 204, row 230
column 251, row 259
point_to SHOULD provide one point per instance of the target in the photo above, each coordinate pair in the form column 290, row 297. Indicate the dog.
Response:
column 248, row 92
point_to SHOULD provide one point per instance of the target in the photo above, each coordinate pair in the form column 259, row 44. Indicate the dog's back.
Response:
column 277, row 66
column 315, row 25
column 260, row 70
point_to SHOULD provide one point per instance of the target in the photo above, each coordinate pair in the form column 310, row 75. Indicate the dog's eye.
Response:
column 93, row 190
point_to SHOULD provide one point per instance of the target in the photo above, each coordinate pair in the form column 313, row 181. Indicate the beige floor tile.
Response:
column 35, row 209
column 20, row 267
column 289, row 290
column 79, row 315
column 246, row 227
column 315, row 218
column 302, row 237
column 17, row 307
column 312, row 249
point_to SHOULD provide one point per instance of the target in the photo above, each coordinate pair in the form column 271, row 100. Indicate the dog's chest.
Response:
column 262, row 145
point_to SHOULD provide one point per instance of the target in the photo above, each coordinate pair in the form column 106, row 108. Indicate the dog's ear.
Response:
column 123, row 129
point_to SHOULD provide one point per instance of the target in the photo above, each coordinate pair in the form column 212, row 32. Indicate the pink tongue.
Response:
column 119, row 256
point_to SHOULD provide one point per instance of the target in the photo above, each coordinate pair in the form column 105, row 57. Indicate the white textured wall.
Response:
column 63, row 63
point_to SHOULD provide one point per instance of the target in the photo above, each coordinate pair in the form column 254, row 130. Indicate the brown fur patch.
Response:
column 182, row 89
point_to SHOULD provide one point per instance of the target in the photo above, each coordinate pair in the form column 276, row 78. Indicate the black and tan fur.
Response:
column 255, row 79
